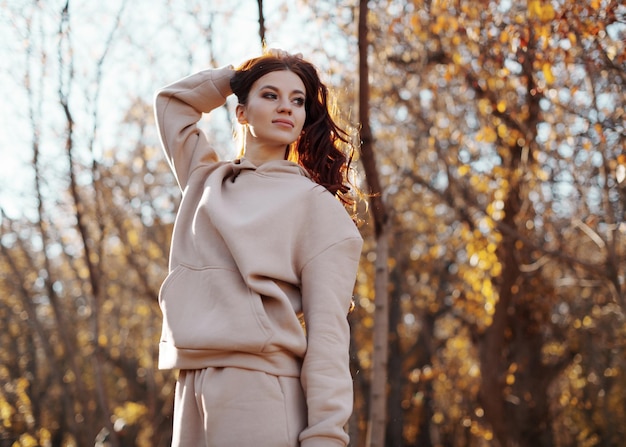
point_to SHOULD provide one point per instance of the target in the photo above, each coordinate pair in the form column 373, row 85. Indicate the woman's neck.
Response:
column 258, row 155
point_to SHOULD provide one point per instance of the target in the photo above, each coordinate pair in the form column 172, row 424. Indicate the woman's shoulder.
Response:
column 324, row 210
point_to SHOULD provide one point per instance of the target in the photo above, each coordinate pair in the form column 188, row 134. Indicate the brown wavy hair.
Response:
column 324, row 149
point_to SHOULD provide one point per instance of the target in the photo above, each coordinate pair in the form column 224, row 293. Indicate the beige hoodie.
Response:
column 254, row 248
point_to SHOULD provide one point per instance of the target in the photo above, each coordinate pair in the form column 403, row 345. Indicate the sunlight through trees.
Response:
column 498, row 135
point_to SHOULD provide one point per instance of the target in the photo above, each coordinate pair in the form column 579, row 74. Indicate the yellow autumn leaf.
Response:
column 133, row 237
column 484, row 262
column 547, row 13
column 463, row 170
column 438, row 26
column 510, row 379
column 131, row 412
column 543, row 34
column 504, row 37
column 543, row 175
column 45, row 437
column 496, row 269
column 143, row 310
column 547, row 73
column 435, row 251
column 6, row 412
column 484, row 106
column 488, row 135
column 153, row 251
column 572, row 38
column 26, row 440
column 540, row 9
column 452, row 23
column 502, row 130
column 534, row 9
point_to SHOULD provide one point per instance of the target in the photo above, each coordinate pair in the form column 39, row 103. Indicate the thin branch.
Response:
column 595, row 237
column 261, row 23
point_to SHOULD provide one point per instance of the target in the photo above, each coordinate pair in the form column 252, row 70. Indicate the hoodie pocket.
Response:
column 212, row 308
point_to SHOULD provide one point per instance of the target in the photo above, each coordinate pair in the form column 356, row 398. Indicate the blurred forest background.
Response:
column 492, row 285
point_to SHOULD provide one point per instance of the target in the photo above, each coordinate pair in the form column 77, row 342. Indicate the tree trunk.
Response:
column 396, row 370
column 378, row 393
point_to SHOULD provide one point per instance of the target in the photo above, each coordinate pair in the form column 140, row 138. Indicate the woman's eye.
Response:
column 299, row 101
column 270, row 95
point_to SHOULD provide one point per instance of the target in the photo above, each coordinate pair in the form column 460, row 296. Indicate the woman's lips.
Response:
column 283, row 122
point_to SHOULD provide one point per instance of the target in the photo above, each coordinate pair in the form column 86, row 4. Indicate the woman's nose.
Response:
column 284, row 106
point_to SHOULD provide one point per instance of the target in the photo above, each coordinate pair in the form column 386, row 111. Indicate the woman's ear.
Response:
column 240, row 113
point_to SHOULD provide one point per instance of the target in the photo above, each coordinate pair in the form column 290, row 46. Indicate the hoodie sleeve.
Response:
column 327, row 286
column 179, row 107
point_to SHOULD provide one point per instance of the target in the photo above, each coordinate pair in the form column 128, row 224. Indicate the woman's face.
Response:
column 275, row 111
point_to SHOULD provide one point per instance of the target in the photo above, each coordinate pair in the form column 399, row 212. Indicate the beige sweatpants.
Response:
column 233, row 407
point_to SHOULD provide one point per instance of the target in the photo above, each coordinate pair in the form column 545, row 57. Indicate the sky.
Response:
column 157, row 42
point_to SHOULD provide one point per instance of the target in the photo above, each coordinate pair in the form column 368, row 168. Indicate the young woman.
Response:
column 262, row 264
